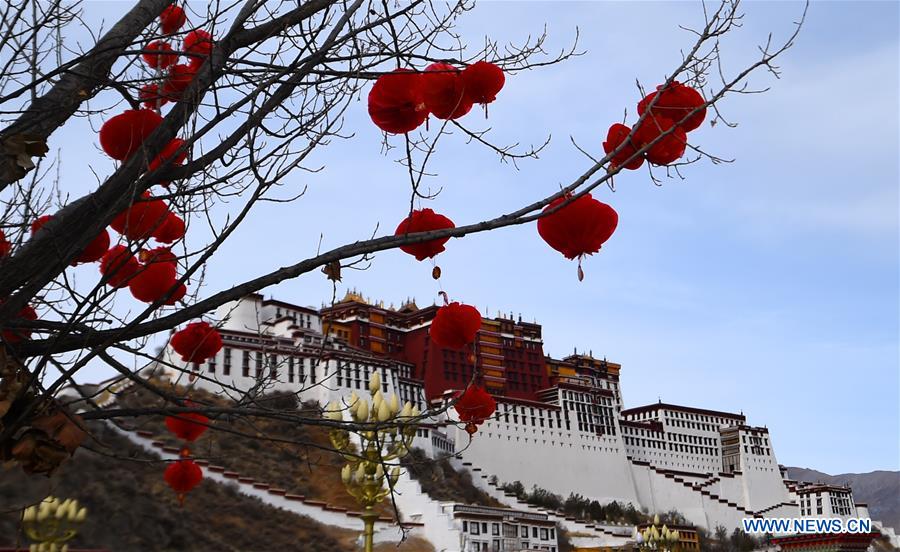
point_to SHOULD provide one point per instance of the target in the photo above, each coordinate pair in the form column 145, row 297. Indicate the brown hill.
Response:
column 131, row 508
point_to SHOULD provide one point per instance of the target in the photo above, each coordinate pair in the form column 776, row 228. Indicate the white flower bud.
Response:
column 394, row 403
column 81, row 515
column 361, row 473
column 415, row 412
column 384, row 412
column 395, row 474
column 379, row 471
column 407, row 410
column 353, row 399
column 362, row 410
column 374, row 383
column 33, row 548
column 30, row 514
column 346, row 474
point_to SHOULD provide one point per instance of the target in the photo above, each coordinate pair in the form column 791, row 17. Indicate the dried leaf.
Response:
column 333, row 271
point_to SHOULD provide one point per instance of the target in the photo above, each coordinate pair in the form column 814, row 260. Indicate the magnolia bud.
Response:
column 33, row 548
column 384, row 412
column 353, row 398
column 362, row 410
column 30, row 514
column 361, row 473
column 64, row 548
column 374, row 383
column 394, row 403
column 379, row 471
column 395, row 475
column 81, row 515
column 415, row 412
column 407, row 410
column 346, row 474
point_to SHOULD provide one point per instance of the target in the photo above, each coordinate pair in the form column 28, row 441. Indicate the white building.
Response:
column 576, row 438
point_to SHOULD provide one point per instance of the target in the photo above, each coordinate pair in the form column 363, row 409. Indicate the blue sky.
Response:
column 768, row 286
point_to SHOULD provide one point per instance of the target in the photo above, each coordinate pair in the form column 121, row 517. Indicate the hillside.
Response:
column 295, row 458
column 879, row 489
column 131, row 508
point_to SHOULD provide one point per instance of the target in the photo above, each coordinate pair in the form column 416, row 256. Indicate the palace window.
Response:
column 226, row 368
column 245, row 364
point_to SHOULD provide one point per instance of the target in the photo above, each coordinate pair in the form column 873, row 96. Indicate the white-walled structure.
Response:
column 576, row 437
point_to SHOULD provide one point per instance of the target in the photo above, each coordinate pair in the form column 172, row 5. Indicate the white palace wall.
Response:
column 558, row 460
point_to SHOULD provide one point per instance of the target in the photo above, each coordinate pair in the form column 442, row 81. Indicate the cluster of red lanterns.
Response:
column 401, row 100
column 196, row 342
column 474, row 406
column 152, row 277
column 184, row 474
column 196, row 46
column 678, row 110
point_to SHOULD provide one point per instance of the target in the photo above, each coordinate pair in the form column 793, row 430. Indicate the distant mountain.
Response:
column 879, row 489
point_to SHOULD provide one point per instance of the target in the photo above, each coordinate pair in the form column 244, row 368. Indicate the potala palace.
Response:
column 560, row 423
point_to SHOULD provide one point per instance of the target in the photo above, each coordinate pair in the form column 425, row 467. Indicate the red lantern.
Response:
column 197, row 342
column 159, row 54
column 483, row 81
column 171, row 230
column 159, row 255
column 187, row 426
column 675, row 102
column 444, row 92
column 141, row 220
column 39, row 223
column 5, row 246
column 92, row 252
column 455, row 325
column 168, row 153
column 152, row 282
column 150, row 96
column 123, row 134
column 177, row 295
column 396, row 102
column 579, row 228
column 668, row 149
column 182, row 476
column 119, row 265
column 171, row 19
column 617, row 134
column 424, row 220
column 17, row 335
column 180, row 77
column 475, row 406
column 198, row 42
